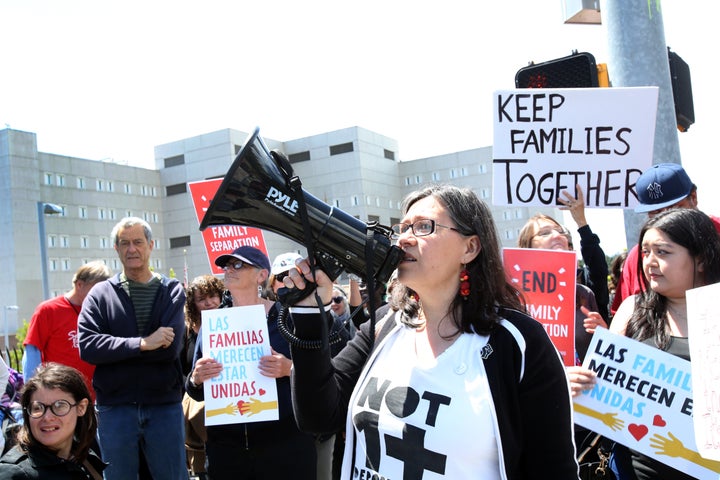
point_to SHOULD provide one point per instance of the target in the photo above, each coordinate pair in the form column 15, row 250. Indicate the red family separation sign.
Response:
column 221, row 239
column 547, row 279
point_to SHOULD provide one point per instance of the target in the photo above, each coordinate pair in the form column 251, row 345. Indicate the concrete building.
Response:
column 353, row 169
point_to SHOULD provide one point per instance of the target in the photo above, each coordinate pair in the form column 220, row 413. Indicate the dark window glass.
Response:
column 178, row 242
column 341, row 148
column 176, row 189
column 299, row 157
column 174, row 161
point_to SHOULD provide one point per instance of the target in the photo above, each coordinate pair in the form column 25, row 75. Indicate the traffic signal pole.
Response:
column 638, row 56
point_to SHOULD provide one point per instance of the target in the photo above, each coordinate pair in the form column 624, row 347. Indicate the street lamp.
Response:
column 45, row 209
column 5, row 321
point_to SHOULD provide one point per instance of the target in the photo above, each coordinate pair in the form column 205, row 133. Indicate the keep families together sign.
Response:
column 548, row 140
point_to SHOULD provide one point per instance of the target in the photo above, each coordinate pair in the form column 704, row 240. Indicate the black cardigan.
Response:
column 526, row 376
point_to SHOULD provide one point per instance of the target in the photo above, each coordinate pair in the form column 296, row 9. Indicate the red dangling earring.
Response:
column 464, row 283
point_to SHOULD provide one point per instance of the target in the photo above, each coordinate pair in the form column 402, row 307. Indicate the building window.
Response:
column 299, row 157
column 128, row 213
column 154, row 217
column 127, row 188
column 102, row 214
column 80, row 182
column 482, row 168
column 179, row 242
column 418, row 179
column 177, row 189
column 355, row 201
column 60, row 180
column 158, row 264
column 341, row 148
column 373, row 218
column 64, row 241
column 174, row 161
column 53, row 264
column 519, row 213
column 368, row 200
column 66, row 264
column 116, row 264
column 52, row 241
column 48, row 178
column 389, row 154
column 104, row 242
column 144, row 190
column 336, row 202
column 407, row 181
column 153, row 192
column 84, row 242
column 156, row 243
column 100, row 185
column 436, row 176
column 110, row 186
column 484, row 193
column 82, row 212
column 112, row 214
column 463, row 172
column 63, row 210
column 453, row 173
column 377, row 202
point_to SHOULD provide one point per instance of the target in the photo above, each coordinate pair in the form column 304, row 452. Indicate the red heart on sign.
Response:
column 240, row 405
column 637, row 431
column 659, row 421
column 262, row 391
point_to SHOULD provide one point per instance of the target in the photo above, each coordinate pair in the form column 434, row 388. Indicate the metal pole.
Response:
column 638, row 56
column 42, row 209
column 7, row 331
column 43, row 250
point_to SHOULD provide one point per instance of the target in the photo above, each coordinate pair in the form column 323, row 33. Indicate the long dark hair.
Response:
column 489, row 287
column 694, row 231
column 54, row 375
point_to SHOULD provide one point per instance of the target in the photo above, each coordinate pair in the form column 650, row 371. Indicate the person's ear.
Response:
column 472, row 249
column 82, row 407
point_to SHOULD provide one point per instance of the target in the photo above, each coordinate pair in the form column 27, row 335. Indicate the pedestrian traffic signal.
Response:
column 682, row 91
column 578, row 70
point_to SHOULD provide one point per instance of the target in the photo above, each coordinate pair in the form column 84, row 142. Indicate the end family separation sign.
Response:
column 549, row 140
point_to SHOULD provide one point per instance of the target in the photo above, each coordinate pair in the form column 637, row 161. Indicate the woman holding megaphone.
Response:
column 457, row 381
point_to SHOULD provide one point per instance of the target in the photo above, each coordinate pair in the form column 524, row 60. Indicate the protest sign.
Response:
column 237, row 337
column 643, row 399
column 704, row 335
column 547, row 279
column 221, row 239
column 549, row 140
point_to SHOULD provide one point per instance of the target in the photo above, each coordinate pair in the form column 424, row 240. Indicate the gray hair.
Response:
column 128, row 222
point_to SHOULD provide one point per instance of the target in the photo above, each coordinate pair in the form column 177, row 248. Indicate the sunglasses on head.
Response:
column 281, row 276
column 338, row 299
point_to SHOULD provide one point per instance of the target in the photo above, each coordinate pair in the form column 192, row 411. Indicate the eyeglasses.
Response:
column 338, row 299
column 234, row 265
column 281, row 276
column 546, row 232
column 59, row 408
column 420, row 228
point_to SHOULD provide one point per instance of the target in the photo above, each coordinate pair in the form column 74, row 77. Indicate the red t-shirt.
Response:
column 53, row 330
column 629, row 281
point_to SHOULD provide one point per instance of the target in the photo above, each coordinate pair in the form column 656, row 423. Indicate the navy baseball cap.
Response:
column 661, row 186
column 250, row 255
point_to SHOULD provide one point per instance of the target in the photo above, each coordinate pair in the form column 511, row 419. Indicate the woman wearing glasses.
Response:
column 59, row 425
column 542, row 231
column 458, row 382
column 271, row 449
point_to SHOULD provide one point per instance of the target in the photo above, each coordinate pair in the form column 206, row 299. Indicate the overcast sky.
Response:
column 107, row 79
